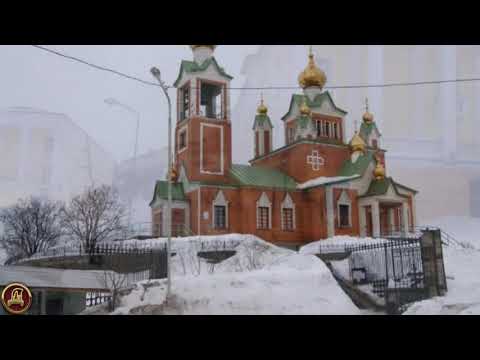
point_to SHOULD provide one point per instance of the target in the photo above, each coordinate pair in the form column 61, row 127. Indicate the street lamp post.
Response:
column 156, row 73
column 113, row 102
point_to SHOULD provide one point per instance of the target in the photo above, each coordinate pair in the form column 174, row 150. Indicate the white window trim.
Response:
column 220, row 200
column 264, row 201
column 288, row 204
column 180, row 131
column 344, row 200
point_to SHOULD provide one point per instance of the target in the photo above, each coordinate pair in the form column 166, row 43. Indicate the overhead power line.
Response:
column 145, row 82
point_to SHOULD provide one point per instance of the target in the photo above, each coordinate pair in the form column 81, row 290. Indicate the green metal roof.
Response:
column 358, row 167
column 260, row 120
column 192, row 67
column 261, row 177
column 317, row 102
column 380, row 187
column 161, row 192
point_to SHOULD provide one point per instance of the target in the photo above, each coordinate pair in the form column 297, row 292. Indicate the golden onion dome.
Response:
column 312, row 75
column 262, row 109
column 368, row 117
column 379, row 171
column 304, row 109
column 357, row 143
column 199, row 46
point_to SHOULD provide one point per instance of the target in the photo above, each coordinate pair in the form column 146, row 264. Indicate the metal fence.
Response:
column 392, row 271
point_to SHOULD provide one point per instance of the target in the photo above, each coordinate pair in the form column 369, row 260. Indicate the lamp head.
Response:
column 155, row 72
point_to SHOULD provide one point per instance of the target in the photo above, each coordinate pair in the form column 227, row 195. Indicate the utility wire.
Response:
column 98, row 67
column 103, row 68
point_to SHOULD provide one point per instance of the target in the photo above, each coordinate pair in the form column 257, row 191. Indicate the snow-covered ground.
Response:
column 3, row 256
column 462, row 228
column 337, row 243
column 462, row 267
column 260, row 279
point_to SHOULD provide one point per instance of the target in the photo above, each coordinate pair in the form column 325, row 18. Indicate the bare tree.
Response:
column 94, row 216
column 30, row 226
column 115, row 282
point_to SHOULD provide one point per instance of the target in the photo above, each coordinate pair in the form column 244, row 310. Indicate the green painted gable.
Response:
column 380, row 187
column 358, row 167
column 161, row 192
column 192, row 67
column 317, row 102
column 257, row 176
column 261, row 120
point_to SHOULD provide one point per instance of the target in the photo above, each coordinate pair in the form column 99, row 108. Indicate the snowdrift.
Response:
column 260, row 279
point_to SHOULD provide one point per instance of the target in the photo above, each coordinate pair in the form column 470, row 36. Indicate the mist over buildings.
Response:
column 57, row 135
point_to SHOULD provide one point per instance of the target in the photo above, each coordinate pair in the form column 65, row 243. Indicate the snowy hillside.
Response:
column 462, row 228
column 260, row 279
column 462, row 267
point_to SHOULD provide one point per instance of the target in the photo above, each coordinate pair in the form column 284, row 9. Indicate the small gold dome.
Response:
column 379, row 171
column 357, row 143
column 312, row 75
column 199, row 46
column 368, row 117
column 262, row 109
column 304, row 109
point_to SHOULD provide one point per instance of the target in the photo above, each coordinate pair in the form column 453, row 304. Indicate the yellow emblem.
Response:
column 16, row 298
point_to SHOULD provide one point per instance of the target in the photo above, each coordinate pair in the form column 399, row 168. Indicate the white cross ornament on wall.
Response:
column 315, row 160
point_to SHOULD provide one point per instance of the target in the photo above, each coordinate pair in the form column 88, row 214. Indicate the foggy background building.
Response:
column 429, row 131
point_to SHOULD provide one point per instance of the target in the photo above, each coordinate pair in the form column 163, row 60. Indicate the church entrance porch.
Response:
column 391, row 219
column 384, row 218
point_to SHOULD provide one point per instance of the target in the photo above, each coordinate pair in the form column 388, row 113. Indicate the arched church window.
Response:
column 288, row 214
column 327, row 129
column 344, row 210
column 264, row 213
column 220, row 212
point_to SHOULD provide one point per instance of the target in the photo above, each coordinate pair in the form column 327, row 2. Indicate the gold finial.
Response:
column 304, row 109
column 379, row 172
column 367, row 117
column 312, row 75
column 357, row 143
column 262, row 109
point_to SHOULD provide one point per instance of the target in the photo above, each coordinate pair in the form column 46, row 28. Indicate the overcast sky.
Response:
column 33, row 78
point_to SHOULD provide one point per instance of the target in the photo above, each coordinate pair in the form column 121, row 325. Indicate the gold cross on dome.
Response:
column 366, row 104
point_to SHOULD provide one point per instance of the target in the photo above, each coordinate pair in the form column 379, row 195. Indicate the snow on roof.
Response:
column 325, row 181
column 34, row 277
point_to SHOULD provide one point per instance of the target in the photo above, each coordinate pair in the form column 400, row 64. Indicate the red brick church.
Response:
column 316, row 186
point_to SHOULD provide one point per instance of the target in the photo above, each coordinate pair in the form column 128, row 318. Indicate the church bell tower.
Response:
column 203, row 132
